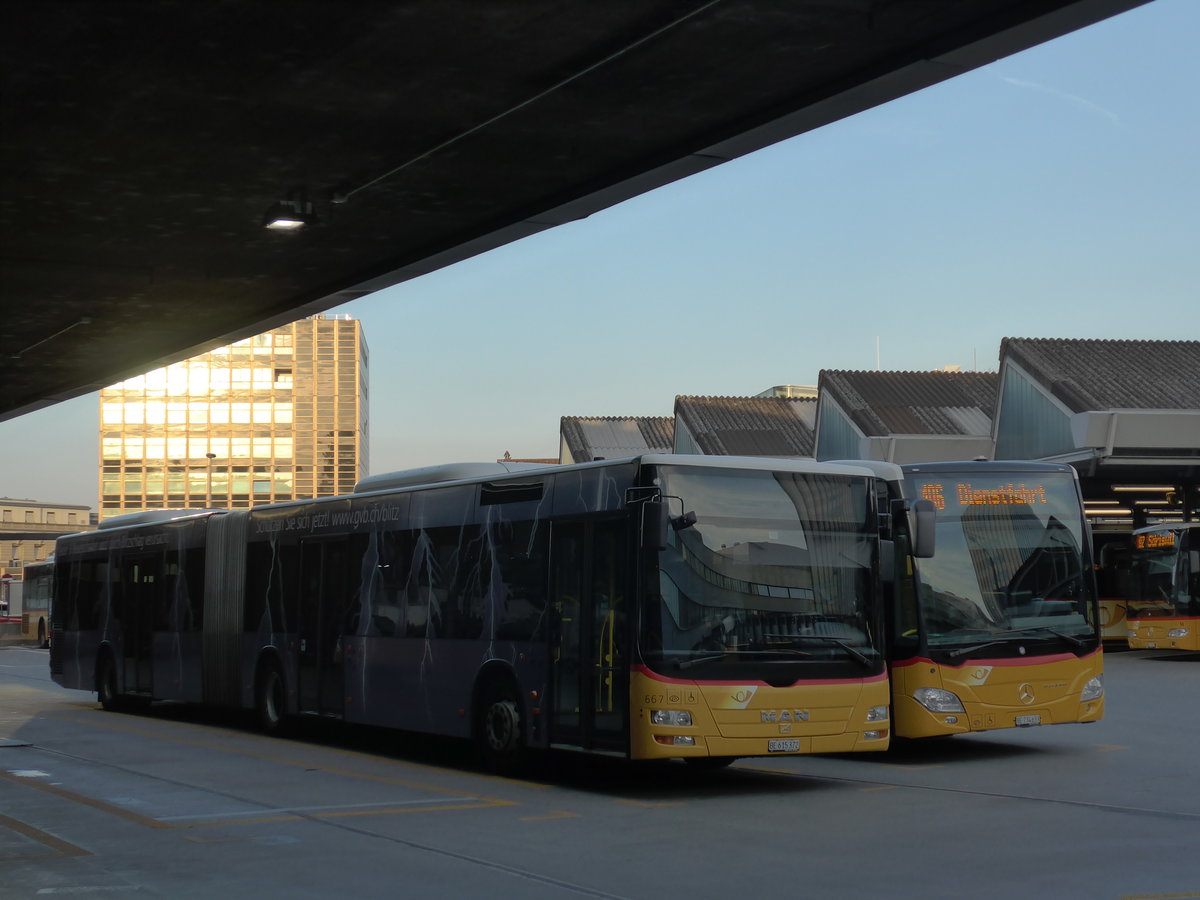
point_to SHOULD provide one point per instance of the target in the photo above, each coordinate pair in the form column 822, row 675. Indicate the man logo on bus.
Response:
column 784, row 715
column 1025, row 693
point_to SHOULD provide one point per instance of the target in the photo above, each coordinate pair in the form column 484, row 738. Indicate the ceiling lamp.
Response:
column 291, row 214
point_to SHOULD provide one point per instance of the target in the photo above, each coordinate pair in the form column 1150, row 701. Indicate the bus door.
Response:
column 589, row 702
column 324, row 586
column 139, row 607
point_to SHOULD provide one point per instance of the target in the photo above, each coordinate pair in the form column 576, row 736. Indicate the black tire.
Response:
column 500, row 731
column 106, row 683
column 271, row 699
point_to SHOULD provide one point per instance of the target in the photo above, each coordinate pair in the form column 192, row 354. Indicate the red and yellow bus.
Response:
column 999, row 626
column 1113, row 553
column 664, row 606
column 1164, row 607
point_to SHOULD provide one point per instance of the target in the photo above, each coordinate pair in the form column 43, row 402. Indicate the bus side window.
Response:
column 193, row 572
column 388, row 607
column 907, row 623
column 518, row 584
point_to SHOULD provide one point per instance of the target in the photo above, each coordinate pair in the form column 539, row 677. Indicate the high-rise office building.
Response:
column 279, row 416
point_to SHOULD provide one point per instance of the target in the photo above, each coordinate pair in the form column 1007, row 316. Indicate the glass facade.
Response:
column 837, row 438
column 279, row 416
column 1030, row 424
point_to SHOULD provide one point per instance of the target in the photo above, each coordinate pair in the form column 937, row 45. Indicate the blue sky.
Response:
column 1052, row 194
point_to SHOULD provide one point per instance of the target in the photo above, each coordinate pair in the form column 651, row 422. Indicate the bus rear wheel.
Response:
column 271, row 699
column 499, row 730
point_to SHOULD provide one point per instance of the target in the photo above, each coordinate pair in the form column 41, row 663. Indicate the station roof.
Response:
column 925, row 403
column 749, row 426
column 587, row 438
column 144, row 141
column 1105, row 374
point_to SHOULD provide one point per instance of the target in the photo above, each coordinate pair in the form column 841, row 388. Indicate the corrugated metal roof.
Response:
column 750, row 426
column 1099, row 375
column 612, row 437
column 888, row 403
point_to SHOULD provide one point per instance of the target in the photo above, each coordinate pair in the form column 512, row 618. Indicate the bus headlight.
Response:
column 937, row 700
column 670, row 717
column 877, row 714
column 1093, row 690
column 1178, row 632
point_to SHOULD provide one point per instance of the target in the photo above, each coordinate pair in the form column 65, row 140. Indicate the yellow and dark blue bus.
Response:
column 662, row 606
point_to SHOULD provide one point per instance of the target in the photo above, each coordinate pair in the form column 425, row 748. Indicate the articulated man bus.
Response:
column 663, row 606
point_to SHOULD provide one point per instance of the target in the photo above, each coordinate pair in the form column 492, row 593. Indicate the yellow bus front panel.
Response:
column 681, row 719
column 931, row 700
column 1165, row 633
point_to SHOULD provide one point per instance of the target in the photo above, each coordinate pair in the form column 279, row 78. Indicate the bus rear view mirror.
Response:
column 924, row 523
column 654, row 525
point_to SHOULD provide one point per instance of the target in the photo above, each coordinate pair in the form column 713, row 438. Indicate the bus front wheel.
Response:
column 106, row 683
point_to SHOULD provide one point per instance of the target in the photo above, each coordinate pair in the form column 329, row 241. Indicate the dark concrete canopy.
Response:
column 142, row 141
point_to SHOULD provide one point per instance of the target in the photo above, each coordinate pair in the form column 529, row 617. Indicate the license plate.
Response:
column 783, row 746
column 1020, row 721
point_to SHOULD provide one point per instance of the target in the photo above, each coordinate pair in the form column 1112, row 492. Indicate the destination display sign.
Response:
column 1161, row 540
column 969, row 494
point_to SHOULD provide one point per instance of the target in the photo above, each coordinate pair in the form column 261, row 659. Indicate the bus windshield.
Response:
column 1165, row 576
column 777, row 567
column 1009, row 562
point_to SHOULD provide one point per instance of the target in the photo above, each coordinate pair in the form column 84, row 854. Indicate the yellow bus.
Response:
column 999, row 627
column 1113, row 553
column 38, row 590
column 663, row 606
column 1164, row 608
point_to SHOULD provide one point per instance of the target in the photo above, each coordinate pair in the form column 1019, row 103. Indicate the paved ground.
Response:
column 181, row 803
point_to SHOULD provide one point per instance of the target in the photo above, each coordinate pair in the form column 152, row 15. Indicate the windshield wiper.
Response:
column 698, row 660
column 963, row 651
column 850, row 649
column 1037, row 629
column 1007, row 637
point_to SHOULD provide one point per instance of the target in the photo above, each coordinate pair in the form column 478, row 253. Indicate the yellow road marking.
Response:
column 305, row 764
column 469, row 801
column 58, row 845
column 101, row 805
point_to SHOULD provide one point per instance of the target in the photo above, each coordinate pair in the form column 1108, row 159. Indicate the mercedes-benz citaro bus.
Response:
column 1164, row 608
column 663, row 606
column 996, row 624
